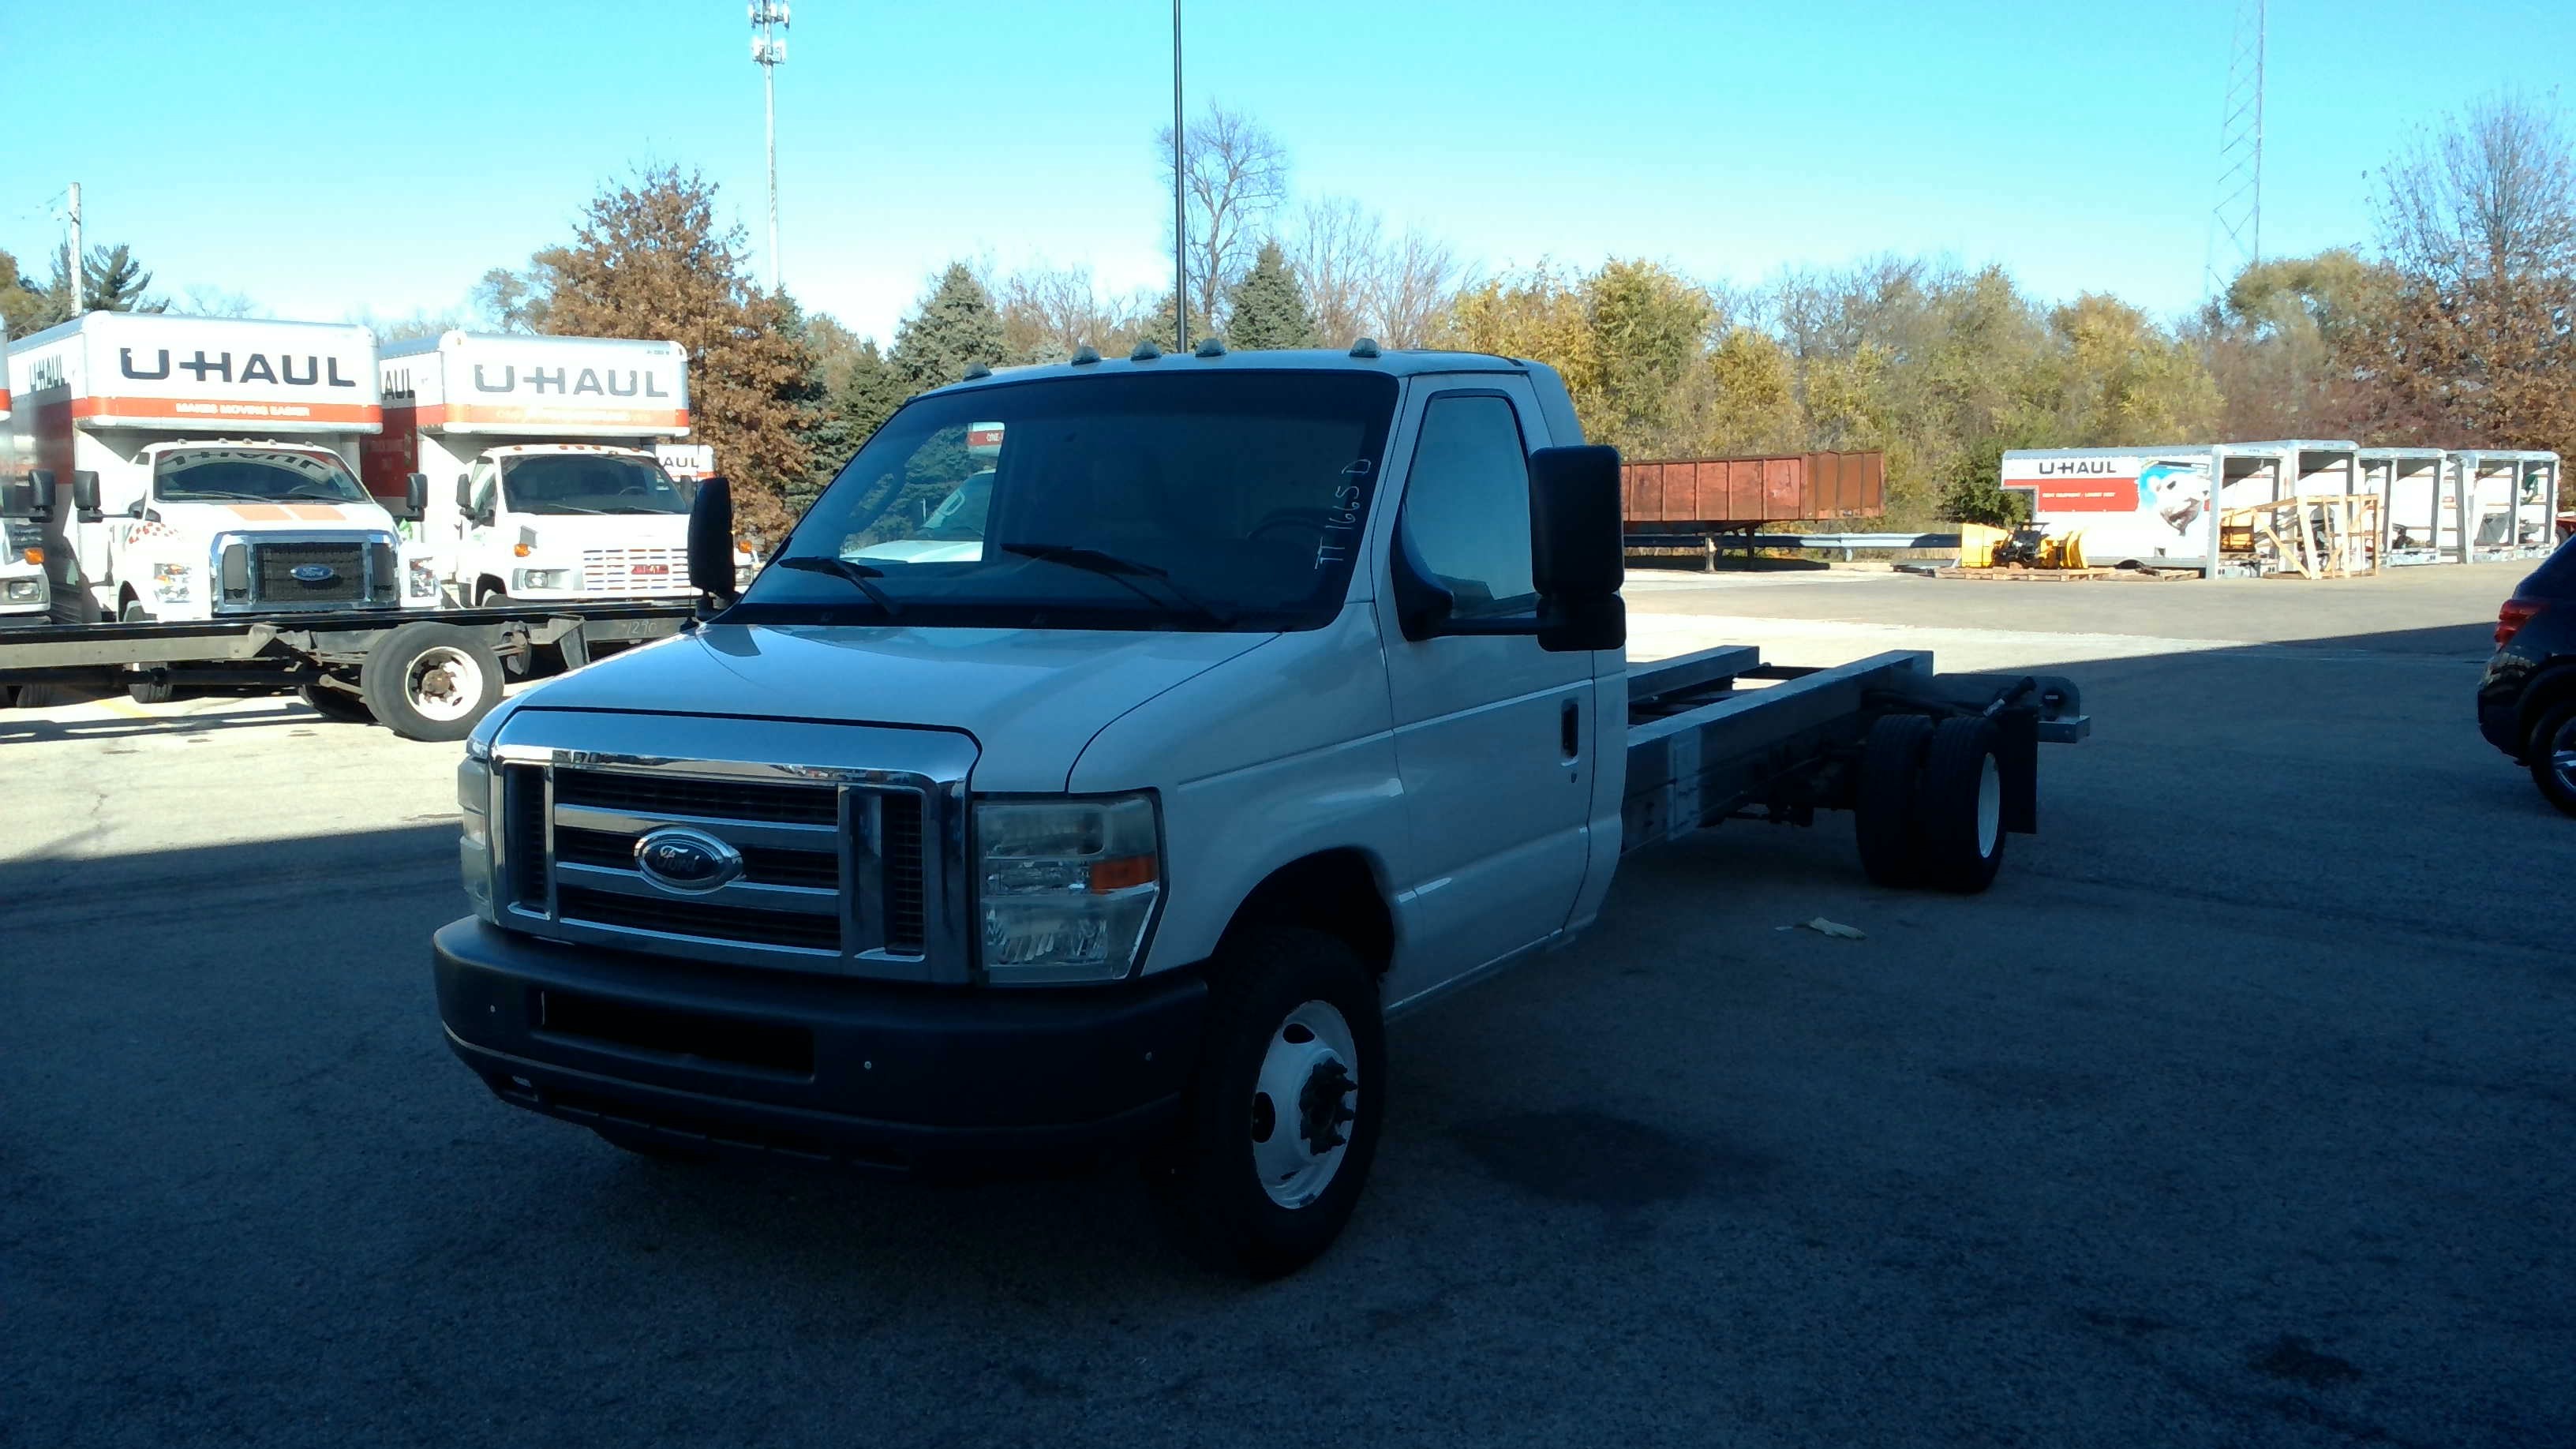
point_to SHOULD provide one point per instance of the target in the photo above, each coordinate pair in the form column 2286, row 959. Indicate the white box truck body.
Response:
column 206, row 466
column 2146, row 506
column 543, row 480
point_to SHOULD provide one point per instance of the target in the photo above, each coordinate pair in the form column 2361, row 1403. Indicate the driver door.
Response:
column 1493, row 735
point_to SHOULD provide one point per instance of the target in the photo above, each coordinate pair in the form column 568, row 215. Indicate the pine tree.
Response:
column 955, row 327
column 650, row 261
column 1268, row 307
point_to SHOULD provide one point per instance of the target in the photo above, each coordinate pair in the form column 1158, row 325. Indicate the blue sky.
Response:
column 327, row 158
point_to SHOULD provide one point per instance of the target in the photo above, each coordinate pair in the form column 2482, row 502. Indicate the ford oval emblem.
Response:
column 691, row 862
column 314, row 573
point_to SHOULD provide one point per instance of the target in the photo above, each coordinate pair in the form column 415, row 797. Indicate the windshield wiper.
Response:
column 858, row 575
column 297, row 493
column 217, row 496
column 1123, row 571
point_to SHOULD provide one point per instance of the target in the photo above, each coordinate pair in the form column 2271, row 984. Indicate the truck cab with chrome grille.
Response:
column 1237, row 702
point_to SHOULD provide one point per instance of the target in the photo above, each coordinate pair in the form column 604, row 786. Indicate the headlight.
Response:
column 541, row 578
column 1067, row 887
column 474, row 850
column 170, row 582
column 25, row 591
column 421, row 579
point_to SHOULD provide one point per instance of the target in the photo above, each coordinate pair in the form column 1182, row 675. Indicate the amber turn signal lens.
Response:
column 1119, row 874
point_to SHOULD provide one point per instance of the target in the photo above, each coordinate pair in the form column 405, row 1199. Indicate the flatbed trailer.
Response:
column 426, row 675
column 1719, row 735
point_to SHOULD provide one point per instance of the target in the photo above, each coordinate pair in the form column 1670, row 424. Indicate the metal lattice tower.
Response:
column 2236, row 220
column 769, row 52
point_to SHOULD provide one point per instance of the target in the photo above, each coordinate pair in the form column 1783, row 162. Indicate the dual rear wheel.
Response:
column 1929, row 810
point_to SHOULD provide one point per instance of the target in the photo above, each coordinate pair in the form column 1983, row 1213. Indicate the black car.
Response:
column 2527, row 702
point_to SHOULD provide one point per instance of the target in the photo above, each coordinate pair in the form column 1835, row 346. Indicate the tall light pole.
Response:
column 769, row 52
column 1180, row 193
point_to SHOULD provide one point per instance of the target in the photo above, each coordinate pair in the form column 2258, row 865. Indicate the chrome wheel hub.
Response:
column 1303, row 1103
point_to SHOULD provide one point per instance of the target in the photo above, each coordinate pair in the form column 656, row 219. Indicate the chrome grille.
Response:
column 831, row 872
column 634, row 570
column 273, row 566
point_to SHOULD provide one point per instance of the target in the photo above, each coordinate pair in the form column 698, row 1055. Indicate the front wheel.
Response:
column 430, row 681
column 2553, row 756
column 1281, row 1122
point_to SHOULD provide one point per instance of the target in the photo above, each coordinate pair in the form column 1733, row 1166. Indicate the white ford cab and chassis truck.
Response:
column 538, row 456
column 210, row 468
column 1282, row 692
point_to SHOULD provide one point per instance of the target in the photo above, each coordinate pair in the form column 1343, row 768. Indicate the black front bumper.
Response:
column 900, row 1078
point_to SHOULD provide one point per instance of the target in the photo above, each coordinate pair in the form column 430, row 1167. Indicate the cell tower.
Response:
column 2236, row 221
column 769, row 52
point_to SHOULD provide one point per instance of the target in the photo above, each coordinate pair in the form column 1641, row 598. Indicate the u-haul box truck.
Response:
column 24, row 595
column 539, row 453
column 203, row 466
column 2148, row 506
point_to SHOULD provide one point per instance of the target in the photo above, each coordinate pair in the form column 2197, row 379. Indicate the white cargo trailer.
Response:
column 539, row 456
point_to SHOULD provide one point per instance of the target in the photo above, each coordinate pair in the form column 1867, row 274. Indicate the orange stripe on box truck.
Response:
column 220, row 410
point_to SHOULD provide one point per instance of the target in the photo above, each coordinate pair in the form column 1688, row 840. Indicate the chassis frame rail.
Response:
column 1702, row 750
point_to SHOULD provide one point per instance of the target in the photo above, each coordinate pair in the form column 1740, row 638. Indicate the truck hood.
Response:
column 275, row 517
column 606, row 530
column 1032, row 698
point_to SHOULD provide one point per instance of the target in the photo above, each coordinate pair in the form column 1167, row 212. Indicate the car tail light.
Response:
column 2515, row 614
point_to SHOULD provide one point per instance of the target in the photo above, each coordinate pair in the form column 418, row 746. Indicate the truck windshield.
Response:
column 588, row 483
column 1220, row 500
column 253, row 475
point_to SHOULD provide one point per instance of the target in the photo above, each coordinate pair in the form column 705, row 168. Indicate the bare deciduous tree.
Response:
column 1418, row 278
column 1334, row 250
column 1235, row 174
column 2491, row 196
column 1047, row 312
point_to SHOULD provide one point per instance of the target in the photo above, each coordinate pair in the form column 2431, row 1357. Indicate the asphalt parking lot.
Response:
column 2239, row 1112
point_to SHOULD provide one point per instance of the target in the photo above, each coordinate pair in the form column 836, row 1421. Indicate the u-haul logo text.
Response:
column 598, row 381
column 254, row 367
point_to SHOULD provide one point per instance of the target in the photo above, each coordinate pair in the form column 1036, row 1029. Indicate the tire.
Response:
column 139, row 690
column 2553, row 755
column 1286, row 1006
column 338, row 704
column 1891, row 762
column 430, row 681
column 1958, row 808
column 493, row 598
column 644, row 1144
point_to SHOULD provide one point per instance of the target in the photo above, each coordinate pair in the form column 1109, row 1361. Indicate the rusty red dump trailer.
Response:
column 1727, row 495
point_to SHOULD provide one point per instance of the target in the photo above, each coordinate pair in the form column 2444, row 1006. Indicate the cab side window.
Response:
column 1466, row 503
column 480, row 479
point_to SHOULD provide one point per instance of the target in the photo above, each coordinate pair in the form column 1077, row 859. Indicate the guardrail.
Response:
column 1710, row 544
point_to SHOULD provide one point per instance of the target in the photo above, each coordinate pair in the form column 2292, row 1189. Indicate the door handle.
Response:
column 1570, row 730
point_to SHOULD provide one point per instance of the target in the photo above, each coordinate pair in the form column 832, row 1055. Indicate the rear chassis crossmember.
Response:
column 1705, row 748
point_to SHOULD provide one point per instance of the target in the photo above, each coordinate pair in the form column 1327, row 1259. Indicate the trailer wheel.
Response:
column 337, row 704
column 430, row 681
column 1959, row 807
column 138, row 689
column 1891, row 762
column 1280, row 1125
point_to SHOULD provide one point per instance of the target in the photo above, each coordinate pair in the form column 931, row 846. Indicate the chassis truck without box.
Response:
column 1282, row 692
column 538, row 458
